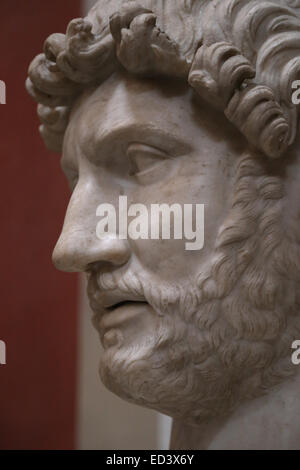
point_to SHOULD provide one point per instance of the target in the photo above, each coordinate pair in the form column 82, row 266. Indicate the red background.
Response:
column 38, row 318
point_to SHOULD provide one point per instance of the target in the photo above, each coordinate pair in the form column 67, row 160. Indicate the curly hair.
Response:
column 239, row 55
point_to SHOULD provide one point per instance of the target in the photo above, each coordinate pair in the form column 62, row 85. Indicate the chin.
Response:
column 150, row 378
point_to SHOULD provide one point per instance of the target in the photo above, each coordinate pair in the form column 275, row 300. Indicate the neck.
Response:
column 270, row 422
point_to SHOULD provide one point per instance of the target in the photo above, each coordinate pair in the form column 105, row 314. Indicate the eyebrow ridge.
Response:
column 149, row 133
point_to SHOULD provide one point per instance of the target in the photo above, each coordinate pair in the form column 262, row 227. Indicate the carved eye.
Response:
column 145, row 162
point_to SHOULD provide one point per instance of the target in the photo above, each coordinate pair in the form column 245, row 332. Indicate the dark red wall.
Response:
column 38, row 315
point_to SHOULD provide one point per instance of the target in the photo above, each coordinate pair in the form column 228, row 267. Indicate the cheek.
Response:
column 169, row 258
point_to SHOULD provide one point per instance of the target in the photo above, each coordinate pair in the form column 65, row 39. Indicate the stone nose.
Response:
column 78, row 246
column 77, row 252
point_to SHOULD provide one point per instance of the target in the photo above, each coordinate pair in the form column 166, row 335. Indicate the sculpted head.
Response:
column 183, row 102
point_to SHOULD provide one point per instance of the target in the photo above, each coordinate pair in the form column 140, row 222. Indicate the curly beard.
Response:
column 226, row 336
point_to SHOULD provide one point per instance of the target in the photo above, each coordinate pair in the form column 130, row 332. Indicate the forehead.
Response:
column 162, row 111
column 124, row 103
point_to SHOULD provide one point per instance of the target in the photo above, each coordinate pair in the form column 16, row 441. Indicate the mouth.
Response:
column 120, row 317
column 112, row 308
column 125, row 303
column 106, row 301
column 118, row 313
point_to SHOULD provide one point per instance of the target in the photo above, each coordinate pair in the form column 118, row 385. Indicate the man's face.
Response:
column 153, row 143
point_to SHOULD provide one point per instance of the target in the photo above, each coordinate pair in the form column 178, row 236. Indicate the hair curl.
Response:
column 240, row 55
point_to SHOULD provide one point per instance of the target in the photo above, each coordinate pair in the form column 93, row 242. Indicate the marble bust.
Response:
column 186, row 101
